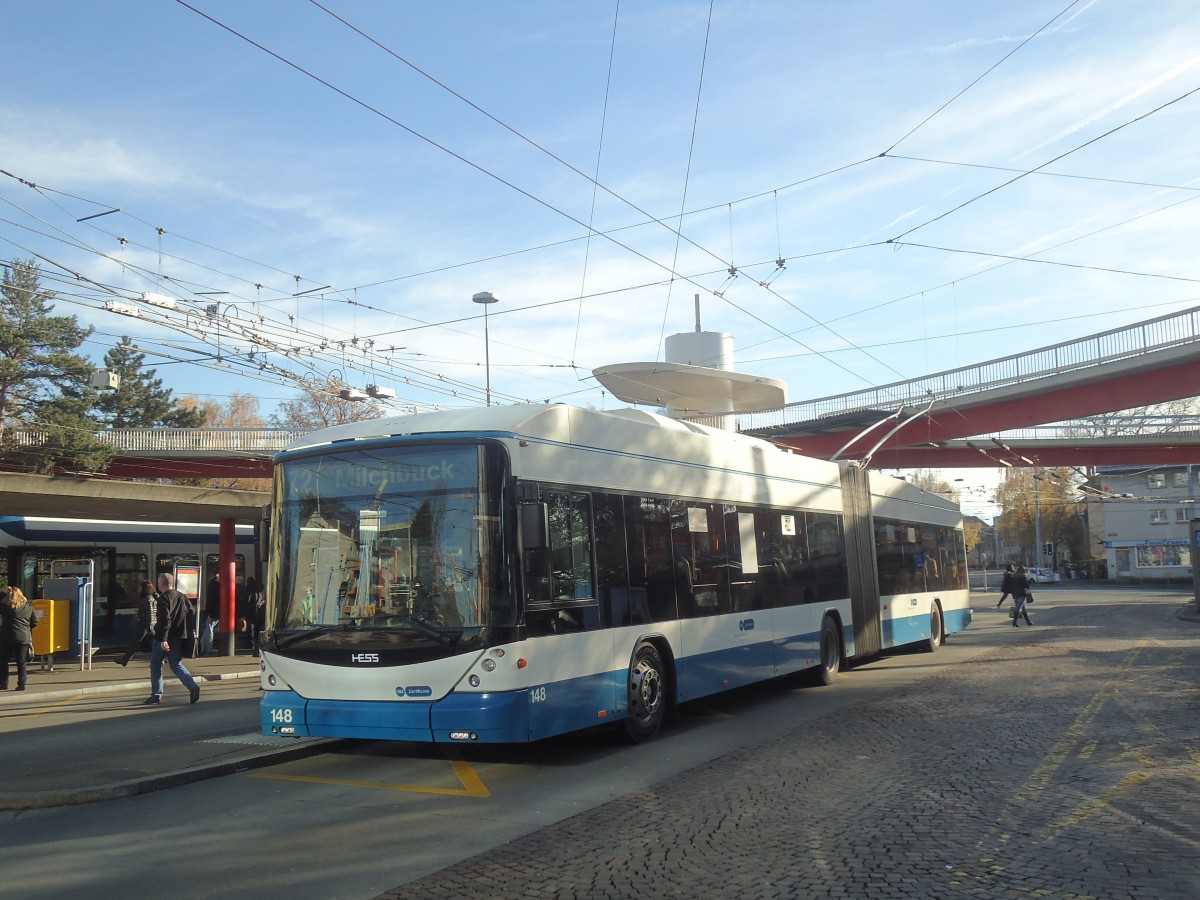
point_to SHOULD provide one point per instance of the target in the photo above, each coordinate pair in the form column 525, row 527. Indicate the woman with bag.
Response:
column 147, row 605
column 17, row 621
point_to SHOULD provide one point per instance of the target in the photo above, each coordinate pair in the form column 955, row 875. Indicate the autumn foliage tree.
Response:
column 1028, row 496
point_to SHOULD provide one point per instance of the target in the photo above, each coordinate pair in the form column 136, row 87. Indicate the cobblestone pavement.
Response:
column 1063, row 764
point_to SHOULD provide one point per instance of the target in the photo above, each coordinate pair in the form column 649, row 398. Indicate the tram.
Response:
column 117, row 556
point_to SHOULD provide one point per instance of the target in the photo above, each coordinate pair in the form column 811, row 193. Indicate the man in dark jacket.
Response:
column 170, row 632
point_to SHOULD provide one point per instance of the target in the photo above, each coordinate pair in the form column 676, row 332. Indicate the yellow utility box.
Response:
column 53, row 632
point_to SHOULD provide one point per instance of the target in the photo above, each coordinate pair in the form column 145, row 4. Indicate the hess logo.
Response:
column 364, row 657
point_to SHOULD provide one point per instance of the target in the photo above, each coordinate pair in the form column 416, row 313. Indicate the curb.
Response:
column 148, row 784
column 111, row 687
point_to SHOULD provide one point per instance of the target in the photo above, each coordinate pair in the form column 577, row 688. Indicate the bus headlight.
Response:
column 473, row 681
column 489, row 665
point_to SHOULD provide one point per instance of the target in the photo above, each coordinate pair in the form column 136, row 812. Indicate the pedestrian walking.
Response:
column 255, row 598
column 17, row 621
column 171, row 628
column 1005, row 585
column 212, row 615
column 1020, row 593
column 146, row 615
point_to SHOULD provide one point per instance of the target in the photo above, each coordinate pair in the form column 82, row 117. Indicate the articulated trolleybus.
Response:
column 511, row 573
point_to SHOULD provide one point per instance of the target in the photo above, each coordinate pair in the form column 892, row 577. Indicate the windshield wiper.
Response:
column 447, row 638
column 308, row 635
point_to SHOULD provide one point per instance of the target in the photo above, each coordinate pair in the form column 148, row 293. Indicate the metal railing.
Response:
column 1129, row 342
column 261, row 441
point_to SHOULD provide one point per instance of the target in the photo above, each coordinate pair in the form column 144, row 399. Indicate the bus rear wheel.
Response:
column 935, row 629
column 831, row 653
column 647, row 694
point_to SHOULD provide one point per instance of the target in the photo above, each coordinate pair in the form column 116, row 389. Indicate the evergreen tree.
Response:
column 43, row 381
column 140, row 401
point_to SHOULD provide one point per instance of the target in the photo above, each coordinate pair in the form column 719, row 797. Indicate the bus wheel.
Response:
column 647, row 694
column 935, row 628
column 831, row 652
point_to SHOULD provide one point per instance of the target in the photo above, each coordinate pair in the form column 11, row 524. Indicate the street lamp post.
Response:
column 487, row 299
column 1037, row 517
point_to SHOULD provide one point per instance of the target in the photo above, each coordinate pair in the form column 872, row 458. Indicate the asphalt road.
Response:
column 1061, row 758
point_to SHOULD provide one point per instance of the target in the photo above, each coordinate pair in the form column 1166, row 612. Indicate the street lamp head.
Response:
column 484, row 297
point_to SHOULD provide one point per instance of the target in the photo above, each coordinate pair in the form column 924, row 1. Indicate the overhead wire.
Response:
column 687, row 172
column 612, row 52
column 1048, row 162
column 590, row 231
column 978, row 79
column 483, row 170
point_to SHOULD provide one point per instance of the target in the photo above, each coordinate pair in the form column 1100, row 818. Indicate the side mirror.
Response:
column 535, row 526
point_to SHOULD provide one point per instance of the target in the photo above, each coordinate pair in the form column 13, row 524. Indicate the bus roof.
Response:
column 555, row 421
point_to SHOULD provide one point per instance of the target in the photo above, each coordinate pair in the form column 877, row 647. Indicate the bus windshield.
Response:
column 402, row 536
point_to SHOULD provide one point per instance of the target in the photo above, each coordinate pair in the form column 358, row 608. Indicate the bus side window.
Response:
column 561, row 576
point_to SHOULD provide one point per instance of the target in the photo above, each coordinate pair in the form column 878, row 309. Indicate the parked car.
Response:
column 1042, row 576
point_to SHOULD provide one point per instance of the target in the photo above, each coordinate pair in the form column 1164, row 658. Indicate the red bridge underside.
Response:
column 915, row 445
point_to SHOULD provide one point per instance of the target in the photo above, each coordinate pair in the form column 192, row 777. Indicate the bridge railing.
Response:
column 259, row 441
column 1131, row 341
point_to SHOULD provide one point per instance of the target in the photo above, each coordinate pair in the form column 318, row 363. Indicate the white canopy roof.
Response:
column 691, row 390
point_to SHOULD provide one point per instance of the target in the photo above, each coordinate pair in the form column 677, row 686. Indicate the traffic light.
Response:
column 1049, row 550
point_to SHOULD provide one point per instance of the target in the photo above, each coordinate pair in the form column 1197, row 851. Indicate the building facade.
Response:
column 1145, row 521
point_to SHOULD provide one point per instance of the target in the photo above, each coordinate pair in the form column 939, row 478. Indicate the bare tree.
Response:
column 1159, row 418
column 320, row 407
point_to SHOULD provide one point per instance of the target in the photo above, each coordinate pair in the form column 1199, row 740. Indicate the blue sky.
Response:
column 321, row 162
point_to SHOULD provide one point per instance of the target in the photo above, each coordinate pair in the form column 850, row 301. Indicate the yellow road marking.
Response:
column 45, row 709
column 1040, row 778
column 1095, row 805
column 472, row 784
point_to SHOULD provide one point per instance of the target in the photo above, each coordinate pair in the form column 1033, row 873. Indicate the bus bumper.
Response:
column 494, row 718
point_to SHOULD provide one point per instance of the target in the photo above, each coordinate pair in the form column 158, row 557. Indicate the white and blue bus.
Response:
column 507, row 574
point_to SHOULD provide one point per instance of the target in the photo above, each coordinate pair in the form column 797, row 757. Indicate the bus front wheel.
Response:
column 647, row 694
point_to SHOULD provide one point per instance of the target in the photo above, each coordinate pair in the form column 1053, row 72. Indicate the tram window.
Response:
column 212, row 565
column 166, row 562
column 131, row 569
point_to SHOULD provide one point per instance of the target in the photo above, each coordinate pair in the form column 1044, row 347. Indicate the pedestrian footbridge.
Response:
column 982, row 415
